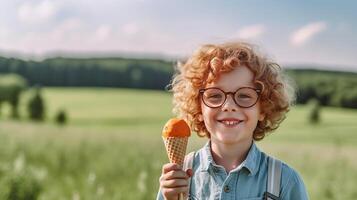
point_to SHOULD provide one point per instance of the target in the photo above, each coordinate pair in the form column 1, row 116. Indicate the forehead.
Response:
column 240, row 76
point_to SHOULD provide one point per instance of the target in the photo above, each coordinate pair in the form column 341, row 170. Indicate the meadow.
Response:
column 112, row 147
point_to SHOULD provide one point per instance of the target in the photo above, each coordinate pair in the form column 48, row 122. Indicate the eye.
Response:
column 215, row 96
column 243, row 96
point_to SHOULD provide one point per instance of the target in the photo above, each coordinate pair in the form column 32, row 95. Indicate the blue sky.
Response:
column 321, row 32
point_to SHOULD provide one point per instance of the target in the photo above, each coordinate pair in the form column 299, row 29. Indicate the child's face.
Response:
column 215, row 119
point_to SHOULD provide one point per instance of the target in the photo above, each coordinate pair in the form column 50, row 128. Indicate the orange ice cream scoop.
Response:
column 176, row 128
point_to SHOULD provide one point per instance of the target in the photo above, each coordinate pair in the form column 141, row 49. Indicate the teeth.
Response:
column 230, row 122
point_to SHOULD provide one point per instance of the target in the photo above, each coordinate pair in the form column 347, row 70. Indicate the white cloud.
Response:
column 67, row 28
column 306, row 33
column 103, row 32
column 251, row 32
column 130, row 28
column 74, row 34
column 4, row 32
column 31, row 13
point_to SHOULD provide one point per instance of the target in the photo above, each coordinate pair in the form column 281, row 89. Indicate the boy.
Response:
column 234, row 97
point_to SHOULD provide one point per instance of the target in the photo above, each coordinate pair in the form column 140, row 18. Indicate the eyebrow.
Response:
column 220, row 87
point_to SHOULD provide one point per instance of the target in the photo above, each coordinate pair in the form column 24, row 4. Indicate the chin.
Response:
column 231, row 138
column 228, row 139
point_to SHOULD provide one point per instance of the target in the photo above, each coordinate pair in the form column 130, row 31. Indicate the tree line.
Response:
column 329, row 88
column 99, row 72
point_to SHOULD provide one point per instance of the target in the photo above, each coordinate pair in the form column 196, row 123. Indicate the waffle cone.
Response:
column 176, row 149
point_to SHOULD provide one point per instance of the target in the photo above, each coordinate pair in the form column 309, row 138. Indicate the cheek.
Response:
column 205, row 110
column 205, row 113
column 208, row 115
column 254, row 115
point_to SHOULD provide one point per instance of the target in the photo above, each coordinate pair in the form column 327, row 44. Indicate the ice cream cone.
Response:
column 176, row 149
column 175, row 135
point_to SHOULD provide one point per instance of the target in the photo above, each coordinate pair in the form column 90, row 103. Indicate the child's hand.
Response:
column 174, row 181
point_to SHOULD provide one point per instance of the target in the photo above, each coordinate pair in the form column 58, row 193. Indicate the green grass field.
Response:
column 112, row 147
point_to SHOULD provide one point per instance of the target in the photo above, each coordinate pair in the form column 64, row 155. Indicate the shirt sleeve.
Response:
column 295, row 188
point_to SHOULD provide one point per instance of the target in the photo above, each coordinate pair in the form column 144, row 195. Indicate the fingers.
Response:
column 174, row 180
column 172, row 193
column 169, row 167
column 179, row 174
column 174, row 183
column 172, row 166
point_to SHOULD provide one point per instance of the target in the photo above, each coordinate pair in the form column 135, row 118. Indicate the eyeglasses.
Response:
column 244, row 97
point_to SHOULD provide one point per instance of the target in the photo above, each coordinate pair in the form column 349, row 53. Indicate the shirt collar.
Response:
column 251, row 163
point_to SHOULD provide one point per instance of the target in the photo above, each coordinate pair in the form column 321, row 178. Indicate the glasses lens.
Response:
column 246, row 97
column 213, row 97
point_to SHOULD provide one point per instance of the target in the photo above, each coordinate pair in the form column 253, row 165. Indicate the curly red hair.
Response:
column 206, row 65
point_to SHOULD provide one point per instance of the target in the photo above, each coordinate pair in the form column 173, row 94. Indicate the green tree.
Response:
column 11, row 87
column 315, row 109
column 36, row 106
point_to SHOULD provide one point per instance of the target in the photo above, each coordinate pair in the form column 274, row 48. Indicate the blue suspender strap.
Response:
column 274, row 176
column 188, row 164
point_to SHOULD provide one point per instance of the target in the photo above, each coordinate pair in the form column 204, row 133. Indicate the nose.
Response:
column 229, row 104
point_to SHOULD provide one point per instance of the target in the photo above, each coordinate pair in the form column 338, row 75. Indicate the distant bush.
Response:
column 36, row 107
column 314, row 114
column 11, row 86
column 349, row 100
column 61, row 117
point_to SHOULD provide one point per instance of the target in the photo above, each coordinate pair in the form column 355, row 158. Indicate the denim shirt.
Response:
column 248, row 181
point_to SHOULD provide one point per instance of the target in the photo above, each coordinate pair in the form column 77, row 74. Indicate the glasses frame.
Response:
column 201, row 91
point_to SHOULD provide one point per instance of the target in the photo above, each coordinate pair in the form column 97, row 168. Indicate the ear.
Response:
column 200, row 117
column 261, row 117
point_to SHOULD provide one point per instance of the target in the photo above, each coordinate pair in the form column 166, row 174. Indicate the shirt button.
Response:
column 226, row 189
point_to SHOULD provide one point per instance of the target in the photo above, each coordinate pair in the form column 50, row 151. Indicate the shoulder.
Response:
column 292, row 185
column 289, row 175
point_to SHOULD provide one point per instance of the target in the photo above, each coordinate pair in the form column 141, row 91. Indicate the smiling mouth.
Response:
column 230, row 123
